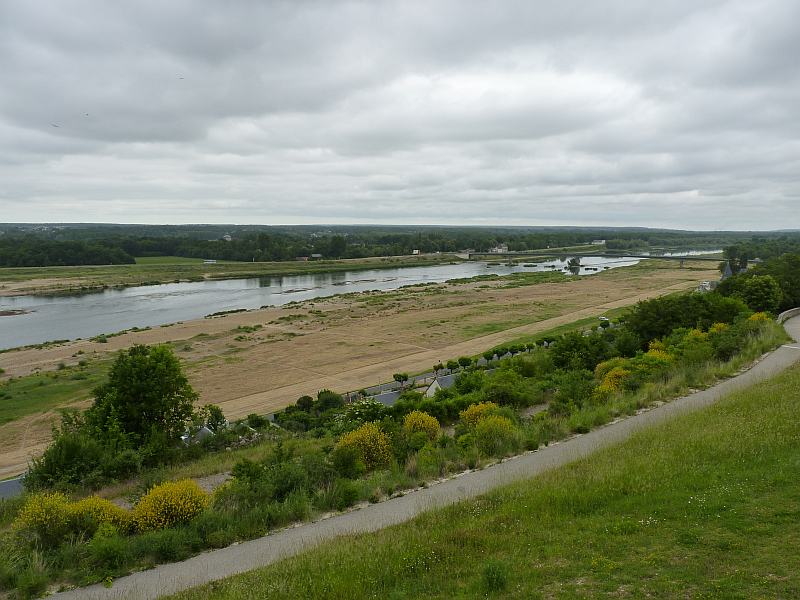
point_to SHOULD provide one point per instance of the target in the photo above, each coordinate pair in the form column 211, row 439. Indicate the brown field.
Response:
column 349, row 342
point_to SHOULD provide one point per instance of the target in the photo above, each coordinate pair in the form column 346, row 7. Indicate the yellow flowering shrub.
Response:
column 496, row 435
column 102, row 512
column 659, row 355
column 615, row 378
column 169, row 504
column 44, row 515
column 718, row 328
column 656, row 345
column 695, row 336
column 371, row 443
column 475, row 412
column 604, row 367
column 758, row 317
column 418, row 421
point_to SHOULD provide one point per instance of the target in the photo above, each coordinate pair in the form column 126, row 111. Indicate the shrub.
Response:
column 495, row 435
column 108, row 551
column 169, row 504
column 365, row 411
column 93, row 512
column 372, row 444
column 759, row 317
column 256, row 421
column 419, row 422
column 475, row 412
column 69, row 459
column 45, row 516
column 347, row 461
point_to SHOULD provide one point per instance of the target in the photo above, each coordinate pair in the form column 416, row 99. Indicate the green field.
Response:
column 41, row 392
column 705, row 506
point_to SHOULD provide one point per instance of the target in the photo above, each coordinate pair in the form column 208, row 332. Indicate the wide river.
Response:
column 47, row 318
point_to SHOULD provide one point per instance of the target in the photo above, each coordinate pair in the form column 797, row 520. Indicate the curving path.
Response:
column 171, row 578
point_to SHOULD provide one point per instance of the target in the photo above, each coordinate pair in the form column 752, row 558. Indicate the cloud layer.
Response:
column 514, row 112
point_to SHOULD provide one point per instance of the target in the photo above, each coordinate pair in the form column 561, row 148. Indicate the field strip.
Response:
column 217, row 564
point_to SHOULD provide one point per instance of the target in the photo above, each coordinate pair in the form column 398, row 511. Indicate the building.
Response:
column 209, row 261
column 415, row 252
column 316, row 256
column 499, row 249
column 227, row 237
column 598, row 242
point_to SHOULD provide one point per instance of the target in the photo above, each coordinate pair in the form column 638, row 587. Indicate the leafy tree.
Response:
column 400, row 378
column 464, row 362
column 452, row 365
column 761, row 293
column 146, row 391
column 305, row 403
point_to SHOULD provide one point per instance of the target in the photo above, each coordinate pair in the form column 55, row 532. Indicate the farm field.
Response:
column 702, row 506
column 260, row 361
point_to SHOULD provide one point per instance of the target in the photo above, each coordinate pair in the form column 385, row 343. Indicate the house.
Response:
column 432, row 389
column 415, row 252
column 227, row 237
column 209, row 261
column 598, row 242
column 499, row 249
column 726, row 272
column 316, row 256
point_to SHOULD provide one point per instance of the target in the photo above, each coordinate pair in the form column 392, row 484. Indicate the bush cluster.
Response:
column 420, row 422
column 372, row 445
column 169, row 504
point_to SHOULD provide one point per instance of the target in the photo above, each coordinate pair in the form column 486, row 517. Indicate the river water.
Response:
column 47, row 318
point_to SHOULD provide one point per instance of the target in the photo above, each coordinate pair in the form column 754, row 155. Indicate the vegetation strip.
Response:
column 249, row 555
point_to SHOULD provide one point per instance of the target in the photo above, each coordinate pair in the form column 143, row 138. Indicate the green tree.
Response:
column 464, row 362
column 761, row 293
column 452, row 365
column 146, row 392
column 400, row 378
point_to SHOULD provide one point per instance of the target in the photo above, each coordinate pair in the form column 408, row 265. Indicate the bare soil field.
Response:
column 349, row 342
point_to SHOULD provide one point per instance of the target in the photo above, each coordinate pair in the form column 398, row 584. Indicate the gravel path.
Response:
column 171, row 578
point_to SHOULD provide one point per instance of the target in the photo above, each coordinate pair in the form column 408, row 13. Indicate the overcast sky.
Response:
column 678, row 114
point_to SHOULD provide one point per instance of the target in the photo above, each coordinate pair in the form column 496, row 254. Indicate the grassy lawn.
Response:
column 41, row 392
column 704, row 506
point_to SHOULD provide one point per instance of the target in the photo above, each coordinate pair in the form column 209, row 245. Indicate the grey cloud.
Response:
column 675, row 114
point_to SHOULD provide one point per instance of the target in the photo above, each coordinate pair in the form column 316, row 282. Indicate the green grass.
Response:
column 41, row 392
column 704, row 506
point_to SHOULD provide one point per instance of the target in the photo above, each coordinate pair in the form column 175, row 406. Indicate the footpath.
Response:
column 245, row 556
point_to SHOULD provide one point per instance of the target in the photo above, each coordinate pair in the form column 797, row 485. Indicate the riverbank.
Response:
column 51, row 281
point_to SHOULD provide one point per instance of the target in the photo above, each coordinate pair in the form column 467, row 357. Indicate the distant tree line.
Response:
column 32, row 251
column 87, row 244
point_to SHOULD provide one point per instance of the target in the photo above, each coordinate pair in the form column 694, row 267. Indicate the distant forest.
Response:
column 24, row 245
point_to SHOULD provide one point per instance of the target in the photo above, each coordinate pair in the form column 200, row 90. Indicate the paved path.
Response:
column 171, row 578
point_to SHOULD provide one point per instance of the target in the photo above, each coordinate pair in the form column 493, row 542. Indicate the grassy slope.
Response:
column 704, row 506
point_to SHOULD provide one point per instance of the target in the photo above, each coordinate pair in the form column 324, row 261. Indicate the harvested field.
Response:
column 352, row 341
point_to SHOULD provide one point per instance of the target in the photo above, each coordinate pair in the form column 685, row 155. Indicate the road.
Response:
column 217, row 564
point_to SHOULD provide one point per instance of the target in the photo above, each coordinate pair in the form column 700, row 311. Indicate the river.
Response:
column 38, row 319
